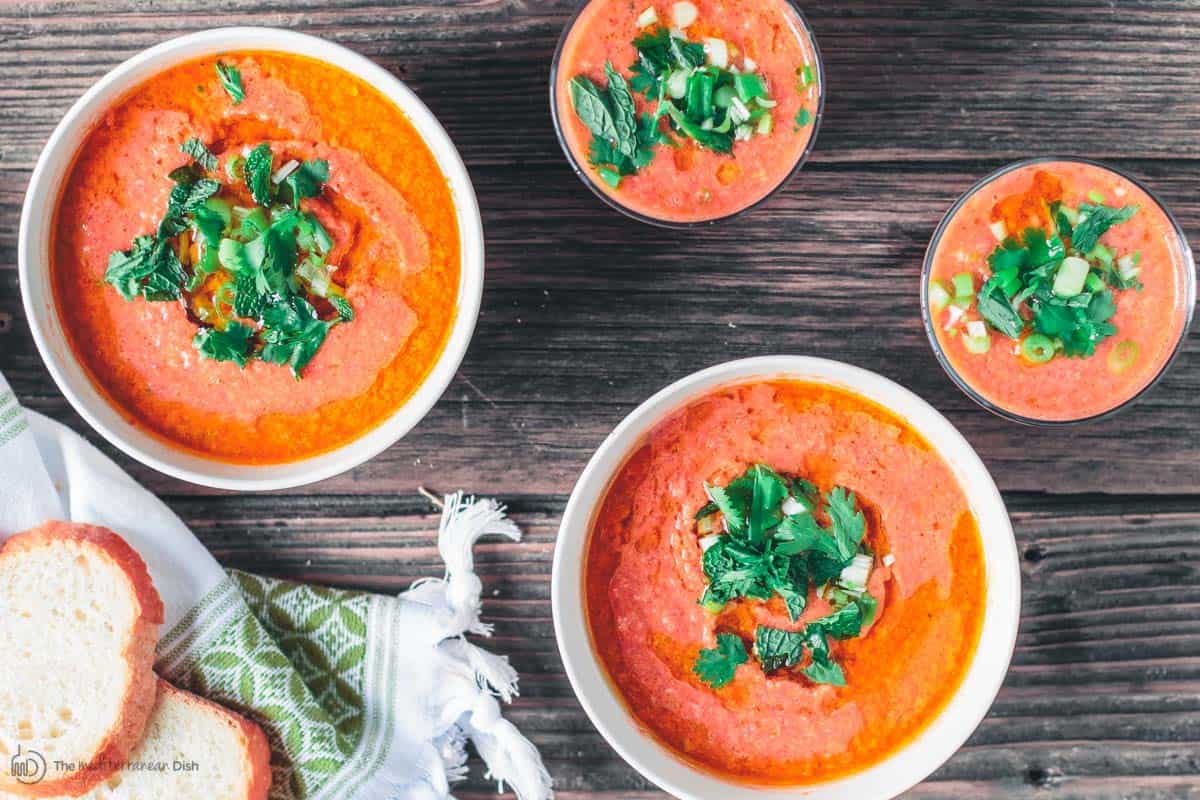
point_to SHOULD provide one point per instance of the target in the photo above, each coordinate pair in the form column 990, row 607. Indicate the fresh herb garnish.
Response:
column 1050, row 288
column 231, row 80
column 691, row 97
column 717, row 666
column 252, row 277
column 773, row 544
column 199, row 152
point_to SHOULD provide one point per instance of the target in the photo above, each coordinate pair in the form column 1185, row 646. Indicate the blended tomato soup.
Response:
column 206, row 370
column 1076, row 324
column 719, row 122
column 726, row 671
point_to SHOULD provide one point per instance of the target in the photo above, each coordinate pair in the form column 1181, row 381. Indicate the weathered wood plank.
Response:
column 1103, row 700
column 572, row 336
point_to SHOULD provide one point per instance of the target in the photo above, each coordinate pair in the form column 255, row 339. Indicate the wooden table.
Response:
column 585, row 314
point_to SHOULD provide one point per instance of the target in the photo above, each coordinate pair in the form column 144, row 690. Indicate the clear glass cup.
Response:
column 587, row 175
column 1187, row 266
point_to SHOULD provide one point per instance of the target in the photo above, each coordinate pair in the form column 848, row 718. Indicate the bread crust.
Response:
column 254, row 741
column 138, row 655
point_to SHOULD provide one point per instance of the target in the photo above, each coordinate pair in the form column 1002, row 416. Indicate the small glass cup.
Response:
column 587, row 175
column 1187, row 266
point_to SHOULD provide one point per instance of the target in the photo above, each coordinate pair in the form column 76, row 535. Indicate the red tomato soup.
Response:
column 722, row 103
column 1059, row 290
column 663, row 621
column 256, row 325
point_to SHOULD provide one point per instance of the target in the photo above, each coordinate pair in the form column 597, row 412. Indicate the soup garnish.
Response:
column 760, row 537
column 254, row 277
column 231, row 81
column 1053, row 286
column 694, row 86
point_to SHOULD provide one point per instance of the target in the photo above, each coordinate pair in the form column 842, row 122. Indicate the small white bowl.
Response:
column 906, row 767
column 33, row 260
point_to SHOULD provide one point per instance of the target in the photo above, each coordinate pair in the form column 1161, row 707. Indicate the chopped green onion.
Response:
column 221, row 208
column 978, row 344
column 766, row 124
column 610, row 176
column 964, row 284
column 939, row 298
column 1102, row 254
column 700, row 96
column 232, row 255
column 1037, row 349
column 677, row 84
column 1127, row 266
column 749, row 86
column 1071, row 275
column 1121, row 357
column 1071, row 214
column 724, row 97
column 1095, row 196
column 1094, row 283
column 854, row 577
column 712, row 606
column 962, row 302
column 805, row 76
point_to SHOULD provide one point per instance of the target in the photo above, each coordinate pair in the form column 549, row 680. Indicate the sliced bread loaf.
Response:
column 192, row 750
column 79, row 620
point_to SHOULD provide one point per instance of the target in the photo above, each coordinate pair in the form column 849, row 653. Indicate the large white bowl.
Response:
column 913, row 762
column 33, row 260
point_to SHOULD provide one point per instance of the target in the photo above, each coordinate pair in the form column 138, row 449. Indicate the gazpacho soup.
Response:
column 785, row 582
column 256, row 257
column 687, row 111
column 1058, row 290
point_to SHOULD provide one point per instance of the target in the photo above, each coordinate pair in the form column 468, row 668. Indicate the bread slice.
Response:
column 192, row 750
column 79, row 620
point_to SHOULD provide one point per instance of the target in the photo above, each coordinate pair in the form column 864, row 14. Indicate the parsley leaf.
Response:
column 258, row 169
column 777, row 649
column 200, row 153
column 717, row 666
column 231, row 80
column 769, row 492
column 1094, row 221
column 292, row 333
column 230, row 344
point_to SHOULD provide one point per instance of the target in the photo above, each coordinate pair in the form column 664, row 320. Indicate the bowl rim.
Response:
column 581, row 171
column 41, row 198
column 902, row 769
column 1189, row 270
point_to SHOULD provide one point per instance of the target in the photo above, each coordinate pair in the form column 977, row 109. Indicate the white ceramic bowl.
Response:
column 906, row 767
column 33, row 260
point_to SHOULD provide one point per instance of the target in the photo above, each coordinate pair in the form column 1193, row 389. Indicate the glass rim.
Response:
column 581, row 171
column 1189, row 270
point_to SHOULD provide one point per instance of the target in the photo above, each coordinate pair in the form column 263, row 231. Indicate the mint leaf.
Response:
column 592, row 109
column 230, row 344
column 717, row 666
column 259, row 165
column 995, row 308
column 624, row 114
column 849, row 524
column 231, row 80
column 199, row 153
column 777, row 649
column 344, row 310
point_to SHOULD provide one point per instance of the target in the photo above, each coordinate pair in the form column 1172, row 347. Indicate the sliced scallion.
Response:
column 939, row 298
column 1037, row 349
column 964, row 284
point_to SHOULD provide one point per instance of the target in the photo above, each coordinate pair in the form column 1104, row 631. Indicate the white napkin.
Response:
column 440, row 690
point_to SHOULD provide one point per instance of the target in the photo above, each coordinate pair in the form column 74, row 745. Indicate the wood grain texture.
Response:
column 586, row 314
